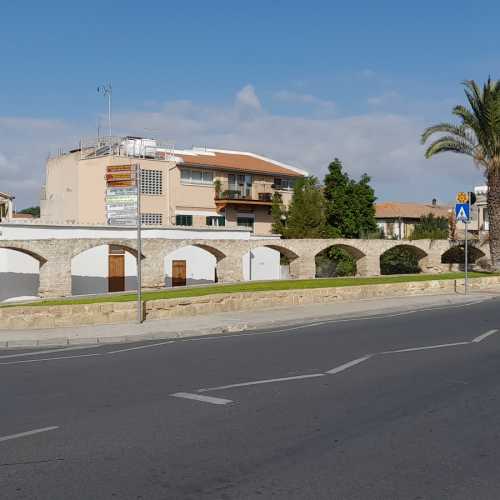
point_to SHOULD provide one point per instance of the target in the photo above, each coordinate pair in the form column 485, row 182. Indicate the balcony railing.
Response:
column 257, row 192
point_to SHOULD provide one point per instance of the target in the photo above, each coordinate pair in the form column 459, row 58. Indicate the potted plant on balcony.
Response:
column 217, row 187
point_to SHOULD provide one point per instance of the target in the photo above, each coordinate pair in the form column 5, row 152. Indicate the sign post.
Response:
column 462, row 213
column 123, row 207
column 139, row 245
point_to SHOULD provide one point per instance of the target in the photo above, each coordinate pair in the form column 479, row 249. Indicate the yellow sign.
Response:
column 462, row 197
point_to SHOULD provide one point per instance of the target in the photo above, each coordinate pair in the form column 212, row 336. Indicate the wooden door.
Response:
column 116, row 276
column 178, row 273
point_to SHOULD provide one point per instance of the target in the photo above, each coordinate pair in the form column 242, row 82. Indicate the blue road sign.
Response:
column 462, row 212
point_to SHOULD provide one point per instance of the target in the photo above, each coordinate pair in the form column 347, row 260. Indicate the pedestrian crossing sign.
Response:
column 462, row 212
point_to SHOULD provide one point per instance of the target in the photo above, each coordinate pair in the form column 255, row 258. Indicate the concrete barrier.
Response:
column 37, row 317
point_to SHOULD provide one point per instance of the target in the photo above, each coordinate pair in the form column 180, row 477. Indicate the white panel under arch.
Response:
column 19, row 274
column 262, row 263
column 200, row 265
column 90, row 271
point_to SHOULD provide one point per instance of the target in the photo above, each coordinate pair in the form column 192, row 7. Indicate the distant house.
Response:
column 397, row 219
column 6, row 209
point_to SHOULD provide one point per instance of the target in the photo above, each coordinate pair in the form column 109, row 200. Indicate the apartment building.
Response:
column 199, row 188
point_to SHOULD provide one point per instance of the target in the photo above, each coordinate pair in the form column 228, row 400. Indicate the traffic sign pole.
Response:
column 466, row 283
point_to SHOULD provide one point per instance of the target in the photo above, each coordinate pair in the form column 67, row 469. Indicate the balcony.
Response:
column 258, row 193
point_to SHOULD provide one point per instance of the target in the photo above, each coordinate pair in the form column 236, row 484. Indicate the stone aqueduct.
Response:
column 55, row 256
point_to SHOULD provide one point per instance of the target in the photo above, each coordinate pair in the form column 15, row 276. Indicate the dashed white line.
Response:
column 203, row 399
column 348, row 365
column 259, row 382
column 140, row 347
column 50, row 359
column 28, row 433
column 484, row 335
column 47, row 351
column 425, row 348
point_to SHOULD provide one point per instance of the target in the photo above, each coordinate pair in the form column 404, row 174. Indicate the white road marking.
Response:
column 348, row 365
column 28, row 433
column 484, row 335
column 259, row 382
column 425, row 348
column 49, row 359
column 140, row 347
column 47, row 351
column 203, row 399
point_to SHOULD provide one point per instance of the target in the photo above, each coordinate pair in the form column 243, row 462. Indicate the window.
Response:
column 151, row 181
column 216, row 221
column 151, row 219
column 245, row 222
column 184, row 220
column 283, row 184
column 192, row 176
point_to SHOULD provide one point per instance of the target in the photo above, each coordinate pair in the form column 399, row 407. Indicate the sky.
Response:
column 300, row 82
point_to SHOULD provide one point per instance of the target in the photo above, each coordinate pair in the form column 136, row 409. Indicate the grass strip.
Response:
column 263, row 286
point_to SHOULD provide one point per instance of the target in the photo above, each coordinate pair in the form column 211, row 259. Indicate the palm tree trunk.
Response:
column 493, row 201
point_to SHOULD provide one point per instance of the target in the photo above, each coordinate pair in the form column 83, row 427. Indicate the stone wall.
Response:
column 55, row 256
column 35, row 317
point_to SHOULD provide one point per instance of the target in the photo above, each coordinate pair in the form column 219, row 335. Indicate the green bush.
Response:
column 399, row 260
column 333, row 262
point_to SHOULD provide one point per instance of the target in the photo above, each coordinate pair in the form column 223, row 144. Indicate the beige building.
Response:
column 201, row 188
column 6, row 206
column 397, row 220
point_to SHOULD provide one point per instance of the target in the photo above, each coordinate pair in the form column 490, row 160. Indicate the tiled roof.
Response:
column 238, row 161
column 388, row 210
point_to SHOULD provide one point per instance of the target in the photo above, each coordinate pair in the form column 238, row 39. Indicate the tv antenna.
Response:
column 107, row 91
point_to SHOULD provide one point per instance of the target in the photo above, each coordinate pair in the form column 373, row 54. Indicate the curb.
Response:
column 228, row 329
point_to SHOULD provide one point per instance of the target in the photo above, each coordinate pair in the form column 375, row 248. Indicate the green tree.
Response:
column 432, row 228
column 307, row 212
column 34, row 211
column 278, row 214
column 478, row 136
column 350, row 204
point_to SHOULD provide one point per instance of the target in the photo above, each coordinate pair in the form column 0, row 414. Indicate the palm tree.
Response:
column 477, row 136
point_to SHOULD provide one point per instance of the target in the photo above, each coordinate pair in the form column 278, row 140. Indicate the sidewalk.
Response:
column 221, row 323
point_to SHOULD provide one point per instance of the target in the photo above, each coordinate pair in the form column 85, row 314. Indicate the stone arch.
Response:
column 78, row 249
column 411, row 260
column 36, row 256
column 454, row 257
column 218, row 254
column 328, row 267
column 196, row 264
column 103, row 266
column 19, row 272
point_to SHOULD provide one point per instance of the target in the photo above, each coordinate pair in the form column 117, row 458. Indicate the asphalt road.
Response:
column 319, row 411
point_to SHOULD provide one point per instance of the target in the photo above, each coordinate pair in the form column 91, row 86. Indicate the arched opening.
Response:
column 267, row 262
column 19, row 274
column 454, row 258
column 103, row 269
column 192, row 265
column 402, row 259
column 337, row 260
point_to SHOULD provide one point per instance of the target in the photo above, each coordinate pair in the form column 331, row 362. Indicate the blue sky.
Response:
column 302, row 82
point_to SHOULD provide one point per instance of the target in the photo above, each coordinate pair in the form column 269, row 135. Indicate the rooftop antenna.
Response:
column 107, row 91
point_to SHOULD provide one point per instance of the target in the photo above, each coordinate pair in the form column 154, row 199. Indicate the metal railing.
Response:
column 257, row 191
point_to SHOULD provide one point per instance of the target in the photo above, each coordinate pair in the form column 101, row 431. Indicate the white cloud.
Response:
column 384, row 145
column 247, row 97
column 290, row 96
